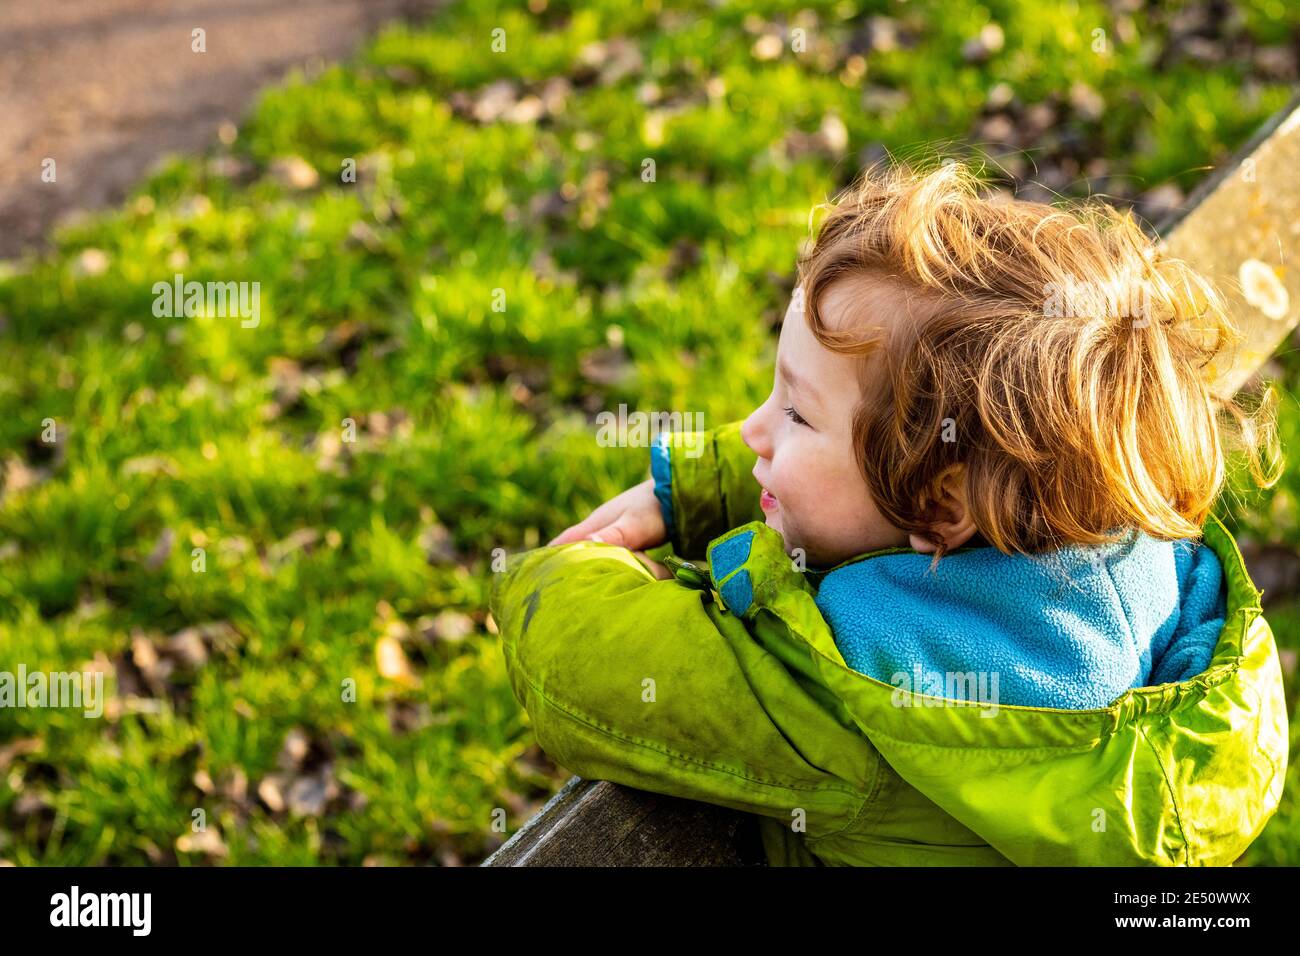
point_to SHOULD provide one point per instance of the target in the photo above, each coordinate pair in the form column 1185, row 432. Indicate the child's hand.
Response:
column 632, row 519
column 655, row 568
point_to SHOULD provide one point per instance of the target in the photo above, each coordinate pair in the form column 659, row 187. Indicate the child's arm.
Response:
column 652, row 684
column 701, row 485
column 705, row 485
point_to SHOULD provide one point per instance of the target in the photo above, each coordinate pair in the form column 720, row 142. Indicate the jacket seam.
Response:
column 684, row 539
column 867, row 801
column 1259, row 709
column 717, row 478
column 661, row 455
column 967, row 748
column 636, row 741
column 1173, row 800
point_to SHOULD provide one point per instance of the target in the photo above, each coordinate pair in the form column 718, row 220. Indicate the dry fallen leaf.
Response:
column 391, row 661
column 767, row 47
column 154, row 668
column 150, row 465
column 436, row 542
column 187, row 646
column 494, row 101
column 91, row 262
column 18, row 476
column 18, row 748
column 308, row 795
column 407, row 716
column 294, row 172
column 301, row 540
column 30, row 803
column 271, row 792
column 606, row 366
column 1287, row 657
column 234, row 785
column 453, row 626
column 207, row 841
column 294, row 750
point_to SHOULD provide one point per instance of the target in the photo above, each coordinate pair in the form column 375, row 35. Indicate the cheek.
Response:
column 838, row 505
column 823, row 490
column 846, row 502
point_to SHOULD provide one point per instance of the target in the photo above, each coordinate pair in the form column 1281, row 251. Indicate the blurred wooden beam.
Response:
column 598, row 823
column 1241, row 228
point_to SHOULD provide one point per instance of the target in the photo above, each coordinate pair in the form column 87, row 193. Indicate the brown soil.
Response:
column 107, row 87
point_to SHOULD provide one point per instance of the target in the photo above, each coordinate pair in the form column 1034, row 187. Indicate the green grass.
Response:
column 473, row 426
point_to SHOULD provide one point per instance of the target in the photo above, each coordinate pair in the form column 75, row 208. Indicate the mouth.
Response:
column 766, row 500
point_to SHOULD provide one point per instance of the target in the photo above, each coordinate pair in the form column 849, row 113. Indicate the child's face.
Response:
column 815, row 495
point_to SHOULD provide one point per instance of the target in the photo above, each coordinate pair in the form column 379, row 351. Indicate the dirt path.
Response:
column 106, row 87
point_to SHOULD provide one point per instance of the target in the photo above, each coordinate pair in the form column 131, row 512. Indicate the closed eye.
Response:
column 794, row 416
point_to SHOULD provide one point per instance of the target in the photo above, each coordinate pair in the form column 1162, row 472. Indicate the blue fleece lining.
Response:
column 662, row 471
column 1072, row 630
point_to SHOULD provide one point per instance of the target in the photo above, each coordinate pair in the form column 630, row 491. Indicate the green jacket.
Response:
column 655, row 684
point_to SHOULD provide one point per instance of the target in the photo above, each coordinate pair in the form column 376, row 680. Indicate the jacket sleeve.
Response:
column 705, row 485
column 650, row 683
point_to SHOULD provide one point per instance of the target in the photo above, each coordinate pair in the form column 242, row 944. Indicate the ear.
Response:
column 954, row 524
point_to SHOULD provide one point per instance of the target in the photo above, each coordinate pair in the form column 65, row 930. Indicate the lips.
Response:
column 766, row 500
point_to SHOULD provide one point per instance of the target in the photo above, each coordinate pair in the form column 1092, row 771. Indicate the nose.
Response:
column 755, row 433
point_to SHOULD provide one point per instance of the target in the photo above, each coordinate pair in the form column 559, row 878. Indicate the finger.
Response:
column 564, row 537
column 655, row 568
column 583, row 528
column 624, row 532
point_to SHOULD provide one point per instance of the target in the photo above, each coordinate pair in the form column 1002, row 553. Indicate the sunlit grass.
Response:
column 185, row 440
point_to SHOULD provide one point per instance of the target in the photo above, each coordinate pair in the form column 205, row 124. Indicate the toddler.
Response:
column 981, row 487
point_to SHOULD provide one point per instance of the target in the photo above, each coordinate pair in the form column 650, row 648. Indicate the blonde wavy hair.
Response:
column 1070, row 425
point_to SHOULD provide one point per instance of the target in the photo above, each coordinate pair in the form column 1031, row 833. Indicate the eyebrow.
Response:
column 795, row 382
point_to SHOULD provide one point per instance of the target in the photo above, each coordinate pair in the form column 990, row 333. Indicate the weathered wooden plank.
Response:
column 1241, row 228
column 598, row 823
